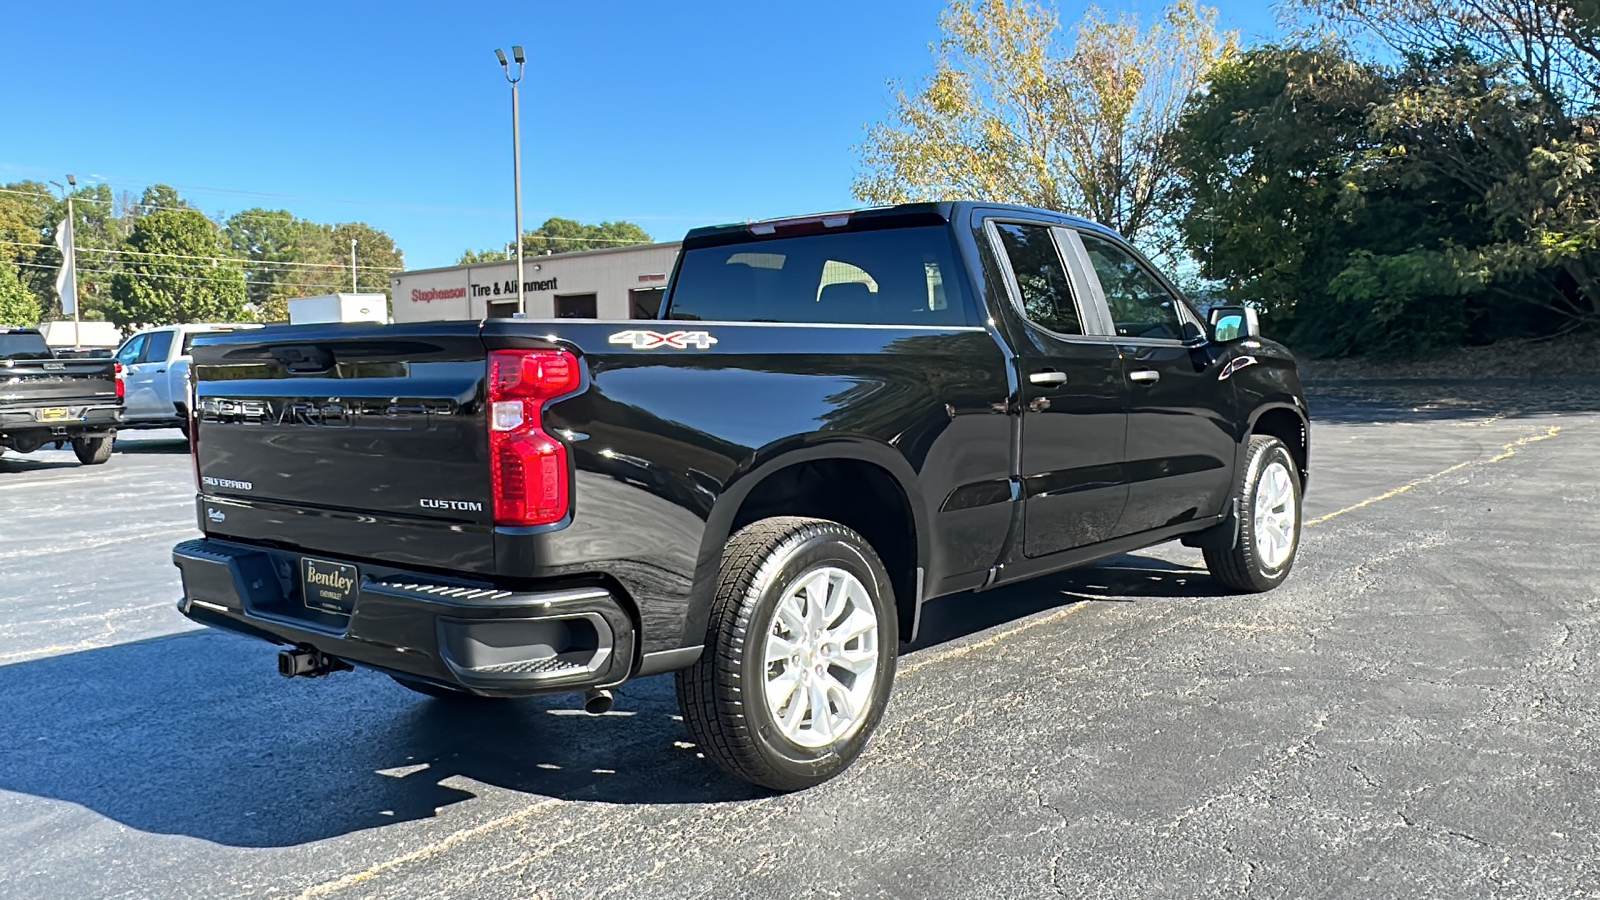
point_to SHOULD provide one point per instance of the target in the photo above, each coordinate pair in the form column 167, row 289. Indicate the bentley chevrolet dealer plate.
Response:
column 329, row 586
column 52, row 414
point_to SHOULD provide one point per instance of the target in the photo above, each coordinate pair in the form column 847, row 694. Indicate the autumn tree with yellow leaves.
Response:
column 1017, row 112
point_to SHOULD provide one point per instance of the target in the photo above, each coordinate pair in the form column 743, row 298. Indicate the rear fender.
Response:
column 775, row 458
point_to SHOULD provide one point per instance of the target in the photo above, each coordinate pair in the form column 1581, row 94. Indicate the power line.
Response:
column 312, row 284
column 245, row 261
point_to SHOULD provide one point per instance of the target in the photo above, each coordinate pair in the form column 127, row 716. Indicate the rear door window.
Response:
column 1046, row 293
column 897, row 276
column 157, row 348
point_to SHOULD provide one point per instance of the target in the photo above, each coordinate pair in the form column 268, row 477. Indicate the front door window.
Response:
column 1141, row 306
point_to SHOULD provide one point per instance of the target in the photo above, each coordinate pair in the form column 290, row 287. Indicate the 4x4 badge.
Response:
column 677, row 340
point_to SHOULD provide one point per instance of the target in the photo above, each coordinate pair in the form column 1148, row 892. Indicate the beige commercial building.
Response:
column 616, row 283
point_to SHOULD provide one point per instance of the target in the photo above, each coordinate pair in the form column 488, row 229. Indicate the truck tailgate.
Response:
column 29, row 382
column 356, row 440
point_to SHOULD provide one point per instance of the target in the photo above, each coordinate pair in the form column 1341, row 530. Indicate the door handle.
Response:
column 1145, row 376
column 1048, row 378
column 161, row 371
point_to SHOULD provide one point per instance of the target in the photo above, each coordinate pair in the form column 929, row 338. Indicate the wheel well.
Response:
column 859, row 495
column 1284, row 425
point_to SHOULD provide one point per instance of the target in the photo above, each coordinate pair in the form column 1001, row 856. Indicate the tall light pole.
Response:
column 516, row 153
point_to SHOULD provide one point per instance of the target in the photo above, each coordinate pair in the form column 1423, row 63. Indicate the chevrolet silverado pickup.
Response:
column 49, row 401
column 156, row 366
column 838, row 418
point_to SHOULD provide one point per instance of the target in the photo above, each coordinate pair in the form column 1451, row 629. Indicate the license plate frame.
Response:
column 53, row 414
column 328, row 586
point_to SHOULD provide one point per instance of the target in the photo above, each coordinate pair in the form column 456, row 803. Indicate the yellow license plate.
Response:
column 53, row 414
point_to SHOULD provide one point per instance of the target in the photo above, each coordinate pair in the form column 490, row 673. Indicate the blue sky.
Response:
column 668, row 114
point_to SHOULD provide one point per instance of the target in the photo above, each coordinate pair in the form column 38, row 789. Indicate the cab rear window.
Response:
column 900, row 276
column 23, row 345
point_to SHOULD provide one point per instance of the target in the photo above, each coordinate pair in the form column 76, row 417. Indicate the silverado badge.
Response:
column 677, row 340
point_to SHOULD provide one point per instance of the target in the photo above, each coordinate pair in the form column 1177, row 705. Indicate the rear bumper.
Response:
column 79, row 417
column 455, row 633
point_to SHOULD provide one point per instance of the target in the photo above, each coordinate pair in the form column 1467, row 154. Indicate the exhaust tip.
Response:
column 597, row 702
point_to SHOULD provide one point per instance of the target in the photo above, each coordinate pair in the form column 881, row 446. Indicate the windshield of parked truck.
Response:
column 897, row 276
column 23, row 345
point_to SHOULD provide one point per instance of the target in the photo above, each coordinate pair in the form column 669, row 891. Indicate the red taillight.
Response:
column 122, row 386
column 529, row 467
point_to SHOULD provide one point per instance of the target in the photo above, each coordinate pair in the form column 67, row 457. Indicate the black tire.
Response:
column 92, row 451
column 723, row 695
column 438, row 691
column 184, row 427
column 1242, row 567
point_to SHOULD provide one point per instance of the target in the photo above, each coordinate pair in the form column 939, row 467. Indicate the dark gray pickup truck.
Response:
column 839, row 418
column 49, row 401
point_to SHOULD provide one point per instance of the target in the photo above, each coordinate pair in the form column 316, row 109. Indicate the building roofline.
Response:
column 632, row 248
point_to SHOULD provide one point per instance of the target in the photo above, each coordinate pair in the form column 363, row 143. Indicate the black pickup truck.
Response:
column 45, row 400
column 837, row 419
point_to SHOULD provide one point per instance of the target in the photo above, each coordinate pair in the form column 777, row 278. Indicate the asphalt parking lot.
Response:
column 1415, row 713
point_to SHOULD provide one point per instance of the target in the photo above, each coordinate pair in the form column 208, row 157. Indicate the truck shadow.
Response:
column 1122, row 579
column 195, row 734
column 155, row 442
column 46, row 462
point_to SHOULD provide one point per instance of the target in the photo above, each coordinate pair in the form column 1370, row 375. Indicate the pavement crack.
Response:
column 1467, row 837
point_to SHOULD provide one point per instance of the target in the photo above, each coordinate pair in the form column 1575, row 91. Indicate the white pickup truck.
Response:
column 156, row 363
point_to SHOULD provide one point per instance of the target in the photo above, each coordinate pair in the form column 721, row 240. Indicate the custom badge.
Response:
column 676, row 340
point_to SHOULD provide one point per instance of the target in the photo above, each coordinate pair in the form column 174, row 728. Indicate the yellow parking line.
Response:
column 1509, row 451
column 339, row 884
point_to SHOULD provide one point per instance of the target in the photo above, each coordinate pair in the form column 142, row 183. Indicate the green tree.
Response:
column 1264, row 153
column 288, row 257
column 18, row 306
column 285, row 257
column 26, row 211
column 177, row 269
column 1013, row 113
column 161, row 196
column 377, row 257
column 558, row 235
column 1364, row 206
column 29, row 213
column 1502, row 103
column 29, row 216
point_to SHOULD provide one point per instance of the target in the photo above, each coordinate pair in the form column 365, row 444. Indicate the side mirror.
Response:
column 1234, row 323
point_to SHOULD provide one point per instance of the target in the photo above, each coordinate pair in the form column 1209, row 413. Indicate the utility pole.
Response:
column 353, row 288
column 516, row 155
